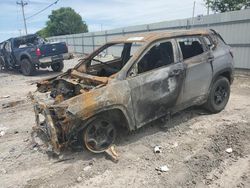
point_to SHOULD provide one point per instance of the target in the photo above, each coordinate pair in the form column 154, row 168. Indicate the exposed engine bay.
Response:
column 71, row 84
column 92, row 72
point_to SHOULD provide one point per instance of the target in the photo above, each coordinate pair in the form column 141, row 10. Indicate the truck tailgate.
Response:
column 53, row 49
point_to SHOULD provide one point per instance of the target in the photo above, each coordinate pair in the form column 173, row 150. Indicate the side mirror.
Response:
column 131, row 74
column 133, row 71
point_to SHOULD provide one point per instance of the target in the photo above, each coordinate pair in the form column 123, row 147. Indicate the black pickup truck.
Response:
column 31, row 52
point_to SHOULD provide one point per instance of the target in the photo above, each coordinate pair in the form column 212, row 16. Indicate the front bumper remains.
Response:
column 47, row 124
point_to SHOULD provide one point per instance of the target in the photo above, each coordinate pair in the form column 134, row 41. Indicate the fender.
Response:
column 221, row 72
column 110, row 97
column 130, row 123
column 22, row 56
column 225, row 70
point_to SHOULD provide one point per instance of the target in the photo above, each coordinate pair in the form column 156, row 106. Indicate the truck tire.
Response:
column 58, row 66
column 219, row 95
column 27, row 67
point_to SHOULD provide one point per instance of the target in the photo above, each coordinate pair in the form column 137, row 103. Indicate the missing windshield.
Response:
column 110, row 59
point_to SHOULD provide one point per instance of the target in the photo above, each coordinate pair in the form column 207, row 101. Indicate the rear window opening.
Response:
column 26, row 41
column 190, row 47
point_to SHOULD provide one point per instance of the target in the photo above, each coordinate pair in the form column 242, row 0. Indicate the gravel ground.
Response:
column 194, row 146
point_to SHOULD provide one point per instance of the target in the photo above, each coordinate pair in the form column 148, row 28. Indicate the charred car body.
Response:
column 30, row 52
column 132, row 81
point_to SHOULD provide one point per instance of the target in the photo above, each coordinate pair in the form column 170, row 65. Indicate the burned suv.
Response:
column 132, row 81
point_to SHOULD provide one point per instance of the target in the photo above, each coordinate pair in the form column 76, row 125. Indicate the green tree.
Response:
column 226, row 5
column 43, row 33
column 62, row 22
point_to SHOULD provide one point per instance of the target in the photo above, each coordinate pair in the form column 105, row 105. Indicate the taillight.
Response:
column 231, row 53
column 38, row 52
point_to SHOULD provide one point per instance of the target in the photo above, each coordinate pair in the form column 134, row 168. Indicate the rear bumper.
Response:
column 56, row 58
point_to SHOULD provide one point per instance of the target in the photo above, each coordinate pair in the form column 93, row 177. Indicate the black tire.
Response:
column 27, row 67
column 58, row 66
column 99, row 135
column 219, row 95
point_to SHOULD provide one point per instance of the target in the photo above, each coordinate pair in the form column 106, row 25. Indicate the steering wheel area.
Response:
column 109, row 70
column 104, row 63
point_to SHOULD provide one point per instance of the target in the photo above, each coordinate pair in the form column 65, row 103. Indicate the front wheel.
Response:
column 99, row 135
column 57, row 67
column 219, row 95
column 27, row 67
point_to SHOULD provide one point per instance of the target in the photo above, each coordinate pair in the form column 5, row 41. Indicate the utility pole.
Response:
column 193, row 14
column 24, row 19
column 208, row 7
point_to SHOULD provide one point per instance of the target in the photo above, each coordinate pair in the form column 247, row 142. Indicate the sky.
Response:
column 98, row 14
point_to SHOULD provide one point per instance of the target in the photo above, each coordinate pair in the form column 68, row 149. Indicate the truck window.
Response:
column 7, row 47
column 159, row 55
column 190, row 47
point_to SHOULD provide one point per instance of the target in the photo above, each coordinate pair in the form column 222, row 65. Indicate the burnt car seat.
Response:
column 166, row 55
column 196, row 48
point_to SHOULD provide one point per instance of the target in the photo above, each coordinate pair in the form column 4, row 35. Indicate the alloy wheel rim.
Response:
column 220, row 95
column 99, row 136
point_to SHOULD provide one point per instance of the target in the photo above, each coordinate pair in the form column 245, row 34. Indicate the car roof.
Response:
column 22, row 38
column 153, row 36
column 25, row 37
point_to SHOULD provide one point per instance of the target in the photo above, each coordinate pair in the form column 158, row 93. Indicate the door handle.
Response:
column 210, row 59
column 175, row 72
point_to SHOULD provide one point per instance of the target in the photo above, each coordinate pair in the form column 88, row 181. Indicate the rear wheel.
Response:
column 27, row 67
column 99, row 135
column 219, row 95
column 57, row 67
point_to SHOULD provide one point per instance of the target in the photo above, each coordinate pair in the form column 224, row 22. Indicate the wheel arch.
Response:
column 227, row 73
column 24, row 56
column 117, row 114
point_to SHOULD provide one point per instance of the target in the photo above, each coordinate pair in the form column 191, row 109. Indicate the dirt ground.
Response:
column 194, row 146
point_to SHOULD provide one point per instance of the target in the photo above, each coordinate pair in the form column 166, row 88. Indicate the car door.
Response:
column 155, row 89
column 2, row 61
column 7, row 52
column 198, row 68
